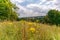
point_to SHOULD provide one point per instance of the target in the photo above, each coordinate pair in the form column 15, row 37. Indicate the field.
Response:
column 24, row 30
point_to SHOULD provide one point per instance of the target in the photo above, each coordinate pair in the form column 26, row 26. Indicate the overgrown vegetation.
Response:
column 24, row 30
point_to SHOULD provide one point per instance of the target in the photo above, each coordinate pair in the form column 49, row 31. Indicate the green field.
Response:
column 23, row 30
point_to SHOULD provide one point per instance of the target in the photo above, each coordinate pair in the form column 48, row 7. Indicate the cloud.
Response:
column 17, row 1
column 42, row 6
column 46, row 4
column 25, row 12
column 36, row 7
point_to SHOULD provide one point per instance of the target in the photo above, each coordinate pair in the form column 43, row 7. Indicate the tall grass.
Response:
column 23, row 30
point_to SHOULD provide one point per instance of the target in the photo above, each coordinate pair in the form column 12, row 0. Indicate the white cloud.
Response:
column 18, row 1
column 46, row 4
column 37, row 9
column 24, row 12
column 42, row 6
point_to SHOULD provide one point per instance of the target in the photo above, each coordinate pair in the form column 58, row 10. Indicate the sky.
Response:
column 28, row 8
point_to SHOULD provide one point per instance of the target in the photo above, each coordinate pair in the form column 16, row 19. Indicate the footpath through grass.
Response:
column 23, row 30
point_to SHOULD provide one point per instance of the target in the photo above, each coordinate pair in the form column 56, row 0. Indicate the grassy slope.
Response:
column 23, row 30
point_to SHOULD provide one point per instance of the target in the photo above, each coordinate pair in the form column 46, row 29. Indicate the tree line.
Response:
column 52, row 17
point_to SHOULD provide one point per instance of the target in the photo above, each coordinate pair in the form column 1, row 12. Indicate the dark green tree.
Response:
column 53, row 16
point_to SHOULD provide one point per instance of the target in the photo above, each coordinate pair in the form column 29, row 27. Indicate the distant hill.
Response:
column 32, row 18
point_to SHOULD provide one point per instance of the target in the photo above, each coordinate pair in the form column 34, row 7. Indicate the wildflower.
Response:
column 30, row 24
column 10, row 23
column 32, row 29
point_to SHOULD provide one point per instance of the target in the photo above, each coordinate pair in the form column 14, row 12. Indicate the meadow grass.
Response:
column 24, row 30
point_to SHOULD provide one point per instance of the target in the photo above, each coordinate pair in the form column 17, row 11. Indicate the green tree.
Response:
column 53, row 16
column 7, row 10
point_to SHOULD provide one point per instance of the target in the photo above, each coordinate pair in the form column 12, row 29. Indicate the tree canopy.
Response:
column 53, row 16
column 7, row 10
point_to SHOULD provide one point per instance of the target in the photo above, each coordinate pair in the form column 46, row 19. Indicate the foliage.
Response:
column 7, row 10
column 53, row 17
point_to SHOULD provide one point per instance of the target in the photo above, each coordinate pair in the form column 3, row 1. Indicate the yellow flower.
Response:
column 32, row 29
column 29, row 23
column 11, row 23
